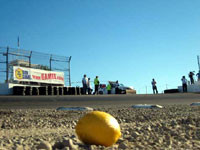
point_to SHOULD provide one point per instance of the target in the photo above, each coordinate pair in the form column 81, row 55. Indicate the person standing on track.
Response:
column 184, row 84
column 191, row 74
column 117, row 87
column 154, row 87
column 198, row 76
column 96, row 85
column 89, row 87
column 109, row 88
column 85, row 84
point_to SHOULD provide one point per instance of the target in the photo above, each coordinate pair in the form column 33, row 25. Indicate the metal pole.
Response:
column 7, row 66
column 30, row 59
column 50, row 62
column 198, row 62
column 146, row 89
column 18, row 42
column 69, row 70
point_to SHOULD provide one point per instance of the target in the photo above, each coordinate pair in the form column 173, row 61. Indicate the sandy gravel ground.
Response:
column 176, row 126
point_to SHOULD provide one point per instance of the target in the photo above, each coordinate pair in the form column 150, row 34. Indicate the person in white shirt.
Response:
column 89, row 87
column 184, row 84
column 85, row 84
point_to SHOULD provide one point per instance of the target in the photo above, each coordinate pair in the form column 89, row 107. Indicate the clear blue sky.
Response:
column 131, row 41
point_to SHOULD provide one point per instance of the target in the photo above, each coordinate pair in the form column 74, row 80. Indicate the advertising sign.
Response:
column 37, row 75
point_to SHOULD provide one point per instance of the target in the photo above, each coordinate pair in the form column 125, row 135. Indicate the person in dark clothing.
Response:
column 191, row 74
column 154, row 87
column 109, row 87
column 117, row 88
column 96, row 85
column 184, row 84
column 198, row 75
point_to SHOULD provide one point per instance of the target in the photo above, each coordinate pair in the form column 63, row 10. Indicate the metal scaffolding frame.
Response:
column 10, row 57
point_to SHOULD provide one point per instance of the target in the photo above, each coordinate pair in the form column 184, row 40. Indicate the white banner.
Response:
column 37, row 75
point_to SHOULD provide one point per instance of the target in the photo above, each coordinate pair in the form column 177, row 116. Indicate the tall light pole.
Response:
column 146, row 89
column 198, row 62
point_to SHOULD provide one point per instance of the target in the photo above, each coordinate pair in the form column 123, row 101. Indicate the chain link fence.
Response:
column 10, row 57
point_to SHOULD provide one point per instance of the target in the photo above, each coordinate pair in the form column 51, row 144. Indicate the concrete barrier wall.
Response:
column 191, row 87
column 4, row 90
column 7, row 88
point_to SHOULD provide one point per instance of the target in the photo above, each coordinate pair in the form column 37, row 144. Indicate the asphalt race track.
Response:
column 95, row 101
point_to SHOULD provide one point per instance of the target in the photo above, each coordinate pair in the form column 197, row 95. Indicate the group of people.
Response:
column 87, row 89
column 183, row 79
column 191, row 76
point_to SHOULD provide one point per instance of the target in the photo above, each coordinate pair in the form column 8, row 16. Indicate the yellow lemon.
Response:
column 98, row 128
